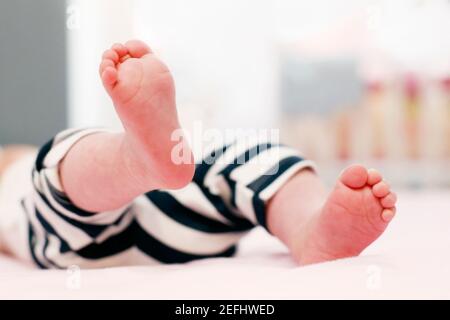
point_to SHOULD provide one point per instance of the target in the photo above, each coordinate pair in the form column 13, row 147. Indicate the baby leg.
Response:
column 225, row 200
column 206, row 218
column 15, row 167
column 12, row 153
column 318, row 227
column 104, row 171
column 272, row 186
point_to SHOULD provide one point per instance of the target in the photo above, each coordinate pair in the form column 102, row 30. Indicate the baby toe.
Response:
column 111, row 55
column 381, row 189
column 389, row 200
column 373, row 177
column 388, row 214
column 137, row 48
column 354, row 176
column 109, row 76
column 105, row 64
column 120, row 49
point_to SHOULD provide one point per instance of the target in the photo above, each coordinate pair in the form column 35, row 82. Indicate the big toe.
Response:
column 354, row 176
column 137, row 48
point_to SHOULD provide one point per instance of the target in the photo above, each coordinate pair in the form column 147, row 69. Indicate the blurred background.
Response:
column 354, row 80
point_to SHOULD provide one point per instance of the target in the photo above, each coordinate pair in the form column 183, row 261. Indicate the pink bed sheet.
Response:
column 411, row 260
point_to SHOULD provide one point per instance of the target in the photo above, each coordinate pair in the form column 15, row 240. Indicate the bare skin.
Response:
column 318, row 227
column 8, row 156
column 125, row 165
column 315, row 225
column 13, row 153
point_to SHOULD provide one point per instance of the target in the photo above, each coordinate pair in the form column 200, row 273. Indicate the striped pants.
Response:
column 226, row 198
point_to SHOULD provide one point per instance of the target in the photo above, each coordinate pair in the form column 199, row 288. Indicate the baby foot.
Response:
column 143, row 93
column 355, row 214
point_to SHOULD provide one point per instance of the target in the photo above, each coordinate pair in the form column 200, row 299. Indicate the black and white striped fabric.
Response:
column 207, row 218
